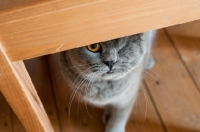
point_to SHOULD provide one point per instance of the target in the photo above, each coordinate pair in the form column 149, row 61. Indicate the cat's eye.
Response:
column 94, row 47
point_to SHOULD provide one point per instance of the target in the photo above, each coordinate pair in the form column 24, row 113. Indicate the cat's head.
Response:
column 110, row 60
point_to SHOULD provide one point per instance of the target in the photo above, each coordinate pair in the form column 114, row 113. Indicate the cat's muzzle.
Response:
column 110, row 72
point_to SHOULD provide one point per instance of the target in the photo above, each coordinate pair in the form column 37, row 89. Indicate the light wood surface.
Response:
column 54, row 26
column 186, row 39
column 176, row 96
column 144, row 117
column 17, row 88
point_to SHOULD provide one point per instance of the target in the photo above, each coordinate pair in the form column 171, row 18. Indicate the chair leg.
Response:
column 17, row 88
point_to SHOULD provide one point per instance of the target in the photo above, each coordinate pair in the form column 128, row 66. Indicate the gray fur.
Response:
column 87, row 74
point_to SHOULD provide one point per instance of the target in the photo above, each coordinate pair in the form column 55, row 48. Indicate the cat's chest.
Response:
column 100, row 87
column 111, row 85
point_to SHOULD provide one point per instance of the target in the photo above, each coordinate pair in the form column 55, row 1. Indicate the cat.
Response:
column 108, row 74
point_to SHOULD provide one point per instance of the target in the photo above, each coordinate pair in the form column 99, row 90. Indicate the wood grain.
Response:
column 17, row 88
column 144, row 117
column 186, row 39
column 89, row 119
column 175, row 94
column 42, row 29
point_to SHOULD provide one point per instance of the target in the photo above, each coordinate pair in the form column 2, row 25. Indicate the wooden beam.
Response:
column 17, row 88
column 54, row 26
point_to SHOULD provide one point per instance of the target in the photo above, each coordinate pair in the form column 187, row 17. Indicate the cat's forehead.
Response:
column 120, row 42
column 113, row 43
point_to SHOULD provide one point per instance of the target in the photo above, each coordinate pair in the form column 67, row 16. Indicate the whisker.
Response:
column 146, row 103
column 145, row 95
column 73, row 95
column 155, row 73
column 59, row 73
column 91, row 90
column 77, row 87
column 88, row 86
column 162, row 86
column 86, row 104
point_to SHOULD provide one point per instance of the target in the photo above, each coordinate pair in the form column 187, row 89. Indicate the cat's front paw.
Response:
column 112, row 127
column 115, row 131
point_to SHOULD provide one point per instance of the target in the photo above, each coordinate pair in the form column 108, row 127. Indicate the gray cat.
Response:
column 108, row 74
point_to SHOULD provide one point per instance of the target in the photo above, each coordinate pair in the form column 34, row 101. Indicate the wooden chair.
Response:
column 38, row 27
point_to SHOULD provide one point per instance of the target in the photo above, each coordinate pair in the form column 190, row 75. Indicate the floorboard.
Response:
column 175, row 94
column 17, row 126
column 186, row 40
column 5, row 116
column 144, row 117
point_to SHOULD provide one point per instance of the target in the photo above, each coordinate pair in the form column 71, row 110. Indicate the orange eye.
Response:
column 94, row 47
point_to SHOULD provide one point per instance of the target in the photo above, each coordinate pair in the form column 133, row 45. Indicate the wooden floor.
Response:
column 173, row 88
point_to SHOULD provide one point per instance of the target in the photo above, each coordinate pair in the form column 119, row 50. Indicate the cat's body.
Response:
column 111, row 77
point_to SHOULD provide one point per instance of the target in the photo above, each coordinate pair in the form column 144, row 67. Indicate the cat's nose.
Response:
column 109, row 64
